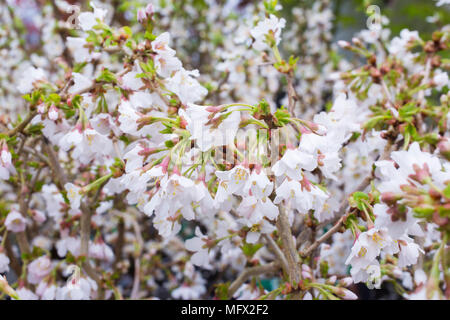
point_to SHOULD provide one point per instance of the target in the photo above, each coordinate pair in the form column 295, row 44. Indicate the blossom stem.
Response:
column 276, row 53
column 96, row 183
column 248, row 106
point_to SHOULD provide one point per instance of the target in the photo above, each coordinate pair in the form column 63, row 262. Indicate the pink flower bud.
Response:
column 389, row 198
column 141, row 16
column 165, row 164
column 332, row 280
column 213, row 109
column 356, row 42
column 421, row 174
column 344, row 293
column 183, row 123
column 348, row 295
column 306, row 268
column 444, row 148
column 149, row 10
column 343, row 44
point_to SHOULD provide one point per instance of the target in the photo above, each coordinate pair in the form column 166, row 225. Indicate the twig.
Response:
column 15, row 264
column 119, row 242
column 85, row 220
column 278, row 253
column 292, row 94
column 137, row 260
column 58, row 173
column 325, row 236
column 37, row 155
column 251, row 272
column 22, row 125
column 424, row 81
column 138, row 250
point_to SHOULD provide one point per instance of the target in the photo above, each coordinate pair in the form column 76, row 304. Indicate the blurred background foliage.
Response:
column 351, row 16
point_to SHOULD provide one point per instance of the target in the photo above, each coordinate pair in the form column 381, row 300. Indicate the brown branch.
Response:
column 251, row 272
column 58, row 172
column 21, row 237
column 137, row 256
column 325, row 236
column 15, row 264
column 278, row 253
column 85, row 220
column 22, row 125
column 292, row 94
column 289, row 249
column 120, row 242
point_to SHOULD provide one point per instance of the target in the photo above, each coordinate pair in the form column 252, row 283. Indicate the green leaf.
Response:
column 250, row 249
column 407, row 111
column 53, row 98
column 356, row 200
column 127, row 30
column 446, row 191
column 423, row 212
column 169, row 144
column 282, row 117
column 79, row 67
column 222, row 291
column 106, row 76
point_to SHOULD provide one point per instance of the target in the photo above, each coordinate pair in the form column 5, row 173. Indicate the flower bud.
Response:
column 390, row 198
column 344, row 293
column 141, row 15
column 332, row 280
column 145, row 14
column 344, row 44
column 214, row 109
column 6, row 288
column 348, row 295
column 421, row 174
column 306, row 275
column 357, row 42
column 444, row 148
column 150, row 10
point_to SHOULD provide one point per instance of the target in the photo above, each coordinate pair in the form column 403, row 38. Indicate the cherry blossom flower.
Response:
column 199, row 245
column 271, row 26
column 74, row 195
column 88, row 20
column 292, row 162
column 15, row 222
column 39, row 269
